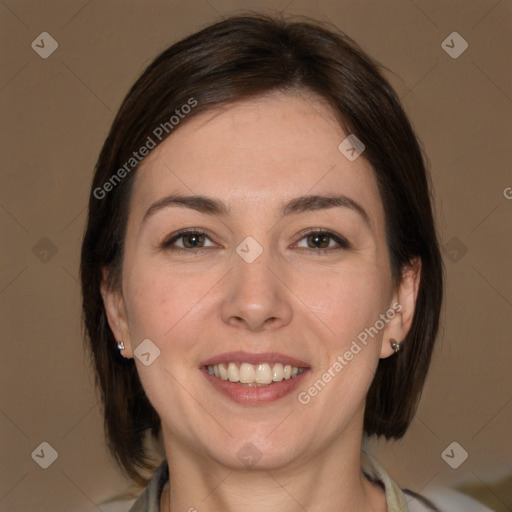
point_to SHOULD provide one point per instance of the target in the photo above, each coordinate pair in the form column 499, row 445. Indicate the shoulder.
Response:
column 149, row 500
column 439, row 499
column 446, row 499
column 397, row 500
column 418, row 503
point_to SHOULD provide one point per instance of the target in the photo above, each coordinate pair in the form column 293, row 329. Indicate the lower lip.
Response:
column 255, row 395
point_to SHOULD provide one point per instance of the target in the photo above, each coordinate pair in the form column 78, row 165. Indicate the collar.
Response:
column 149, row 500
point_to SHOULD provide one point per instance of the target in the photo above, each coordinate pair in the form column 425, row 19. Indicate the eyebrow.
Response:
column 211, row 206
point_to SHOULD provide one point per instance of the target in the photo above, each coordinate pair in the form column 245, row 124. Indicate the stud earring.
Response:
column 120, row 345
column 395, row 345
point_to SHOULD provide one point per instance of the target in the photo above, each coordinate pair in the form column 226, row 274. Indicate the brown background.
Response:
column 56, row 113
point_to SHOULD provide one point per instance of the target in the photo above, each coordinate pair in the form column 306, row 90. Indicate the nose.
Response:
column 256, row 296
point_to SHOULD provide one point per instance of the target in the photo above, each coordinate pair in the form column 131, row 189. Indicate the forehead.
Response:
column 268, row 149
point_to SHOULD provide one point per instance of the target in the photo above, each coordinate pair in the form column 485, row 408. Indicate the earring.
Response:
column 120, row 345
column 395, row 345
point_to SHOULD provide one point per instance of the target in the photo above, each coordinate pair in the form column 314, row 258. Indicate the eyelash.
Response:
column 343, row 243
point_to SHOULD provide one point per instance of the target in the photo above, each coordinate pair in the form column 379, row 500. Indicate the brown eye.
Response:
column 193, row 240
column 321, row 241
column 318, row 241
column 187, row 239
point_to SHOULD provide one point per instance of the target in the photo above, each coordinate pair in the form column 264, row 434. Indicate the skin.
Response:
column 254, row 156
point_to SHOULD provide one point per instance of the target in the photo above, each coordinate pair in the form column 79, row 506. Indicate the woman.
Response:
column 261, row 274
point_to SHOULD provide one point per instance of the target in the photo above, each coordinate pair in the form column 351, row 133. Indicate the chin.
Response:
column 255, row 452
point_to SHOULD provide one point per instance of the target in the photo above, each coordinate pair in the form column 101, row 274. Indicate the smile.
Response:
column 261, row 374
column 254, row 379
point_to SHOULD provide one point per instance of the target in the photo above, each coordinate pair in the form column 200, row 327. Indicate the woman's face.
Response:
column 259, row 286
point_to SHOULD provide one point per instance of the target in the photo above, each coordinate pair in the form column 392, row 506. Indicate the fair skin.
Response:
column 197, row 303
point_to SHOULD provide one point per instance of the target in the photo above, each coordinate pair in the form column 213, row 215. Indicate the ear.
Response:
column 115, row 309
column 404, row 304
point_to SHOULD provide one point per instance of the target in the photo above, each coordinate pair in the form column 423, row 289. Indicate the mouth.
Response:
column 254, row 378
column 248, row 374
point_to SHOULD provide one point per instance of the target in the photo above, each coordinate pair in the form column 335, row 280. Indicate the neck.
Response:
column 329, row 481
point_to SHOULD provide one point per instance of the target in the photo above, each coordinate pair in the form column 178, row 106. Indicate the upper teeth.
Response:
column 261, row 374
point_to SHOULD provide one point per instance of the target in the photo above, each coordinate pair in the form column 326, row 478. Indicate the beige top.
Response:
column 149, row 500
column 394, row 496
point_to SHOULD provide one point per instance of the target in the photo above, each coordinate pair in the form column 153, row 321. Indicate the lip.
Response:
column 255, row 395
column 251, row 358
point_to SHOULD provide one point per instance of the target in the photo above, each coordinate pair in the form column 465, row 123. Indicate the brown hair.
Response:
column 232, row 60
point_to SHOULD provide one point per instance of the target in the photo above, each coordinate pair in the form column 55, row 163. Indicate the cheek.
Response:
column 346, row 302
column 165, row 306
column 168, row 309
column 348, row 306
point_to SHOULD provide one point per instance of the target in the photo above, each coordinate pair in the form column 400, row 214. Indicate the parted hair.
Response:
column 236, row 59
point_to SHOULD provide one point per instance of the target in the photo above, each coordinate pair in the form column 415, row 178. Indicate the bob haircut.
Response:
column 235, row 59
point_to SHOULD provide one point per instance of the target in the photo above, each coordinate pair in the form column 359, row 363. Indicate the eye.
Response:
column 320, row 241
column 191, row 241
